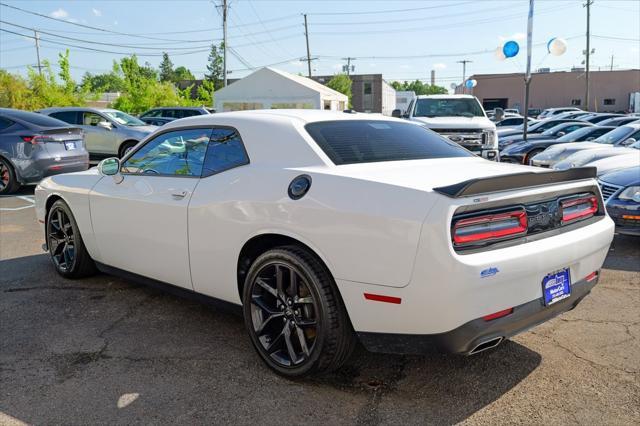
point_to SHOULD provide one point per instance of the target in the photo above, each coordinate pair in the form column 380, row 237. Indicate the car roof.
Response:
column 60, row 109
column 458, row 96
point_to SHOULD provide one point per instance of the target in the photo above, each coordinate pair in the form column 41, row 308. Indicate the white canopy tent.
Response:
column 269, row 88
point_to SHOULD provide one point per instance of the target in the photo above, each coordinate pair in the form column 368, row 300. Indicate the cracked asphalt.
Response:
column 108, row 351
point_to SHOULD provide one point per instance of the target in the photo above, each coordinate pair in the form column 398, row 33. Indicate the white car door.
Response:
column 140, row 224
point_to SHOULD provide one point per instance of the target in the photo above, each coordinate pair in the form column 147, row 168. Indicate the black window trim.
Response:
column 202, row 175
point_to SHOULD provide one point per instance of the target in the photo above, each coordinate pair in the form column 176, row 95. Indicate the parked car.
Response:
column 107, row 131
column 619, row 121
column 534, row 128
column 572, row 114
column 522, row 152
column 534, row 112
column 33, row 147
column 589, row 156
column 599, row 117
column 611, row 164
column 620, row 136
column 554, row 132
column 513, row 122
column 550, row 112
column 331, row 226
column 512, row 111
column 460, row 118
column 163, row 115
column 621, row 193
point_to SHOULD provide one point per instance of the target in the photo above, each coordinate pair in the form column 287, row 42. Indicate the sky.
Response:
column 403, row 40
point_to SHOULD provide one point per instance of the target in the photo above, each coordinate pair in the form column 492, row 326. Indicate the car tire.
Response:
column 8, row 181
column 531, row 154
column 66, row 248
column 126, row 147
column 297, row 329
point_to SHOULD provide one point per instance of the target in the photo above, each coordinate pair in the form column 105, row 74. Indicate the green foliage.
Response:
column 419, row 88
column 215, row 66
column 205, row 93
column 108, row 82
column 182, row 73
column 143, row 91
column 41, row 90
column 166, row 68
column 341, row 83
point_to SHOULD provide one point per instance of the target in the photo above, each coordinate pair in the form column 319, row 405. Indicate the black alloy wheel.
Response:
column 284, row 314
column 294, row 314
column 8, row 182
column 530, row 155
column 61, row 240
column 66, row 248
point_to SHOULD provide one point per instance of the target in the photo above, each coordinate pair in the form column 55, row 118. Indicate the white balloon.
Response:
column 500, row 54
column 474, row 83
column 557, row 46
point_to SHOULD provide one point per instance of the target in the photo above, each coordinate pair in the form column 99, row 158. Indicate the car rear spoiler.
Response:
column 515, row 181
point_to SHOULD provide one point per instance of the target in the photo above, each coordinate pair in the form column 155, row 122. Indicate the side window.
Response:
column 225, row 152
column 91, row 119
column 5, row 123
column 168, row 113
column 177, row 153
column 189, row 113
column 70, row 117
column 151, row 113
column 635, row 136
column 569, row 129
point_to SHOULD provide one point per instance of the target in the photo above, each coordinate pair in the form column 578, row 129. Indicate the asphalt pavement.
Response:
column 109, row 351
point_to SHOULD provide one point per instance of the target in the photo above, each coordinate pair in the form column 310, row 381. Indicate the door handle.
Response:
column 178, row 194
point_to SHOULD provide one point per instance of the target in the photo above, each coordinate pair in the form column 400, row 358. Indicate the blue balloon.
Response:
column 510, row 49
column 469, row 84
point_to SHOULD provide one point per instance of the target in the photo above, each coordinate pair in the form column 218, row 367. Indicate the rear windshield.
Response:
column 36, row 119
column 367, row 141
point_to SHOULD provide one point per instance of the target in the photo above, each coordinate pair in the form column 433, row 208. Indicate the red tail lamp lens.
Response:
column 490, row 227
column 579, row 208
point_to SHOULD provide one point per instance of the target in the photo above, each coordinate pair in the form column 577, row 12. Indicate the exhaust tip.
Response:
column 487, row 344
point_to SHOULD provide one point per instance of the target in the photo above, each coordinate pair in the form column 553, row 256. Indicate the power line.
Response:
column 373, row 12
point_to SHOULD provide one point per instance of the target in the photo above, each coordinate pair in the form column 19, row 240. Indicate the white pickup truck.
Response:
column 460, row 118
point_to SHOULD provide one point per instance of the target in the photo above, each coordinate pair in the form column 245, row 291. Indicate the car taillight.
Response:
column 578, row 208
column 490, row 227
column 36, row 139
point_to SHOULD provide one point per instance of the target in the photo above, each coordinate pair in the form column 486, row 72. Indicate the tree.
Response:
column 142, row 90
column 341, row 83
column 419, row 88
column 166, row 68
column 215, row 66
column 182, row 73
column 101, row 83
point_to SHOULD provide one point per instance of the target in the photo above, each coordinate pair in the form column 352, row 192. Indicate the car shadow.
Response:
column 107, row 350
column 624, row 254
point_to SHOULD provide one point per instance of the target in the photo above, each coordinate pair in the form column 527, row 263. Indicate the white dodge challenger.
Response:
column 329, row 228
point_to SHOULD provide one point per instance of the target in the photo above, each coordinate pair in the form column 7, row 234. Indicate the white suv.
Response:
column 460, row 118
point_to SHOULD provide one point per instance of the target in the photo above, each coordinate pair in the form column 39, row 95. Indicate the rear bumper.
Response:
column 469, row 336
column 46, row 167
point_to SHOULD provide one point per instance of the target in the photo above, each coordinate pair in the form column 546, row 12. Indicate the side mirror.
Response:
column 560, row 134
column 396, row 113
column 629, row 141
column 105, row 125
column 111, row 167
column 590, row 138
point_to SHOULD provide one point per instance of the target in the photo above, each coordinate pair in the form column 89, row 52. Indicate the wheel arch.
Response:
column 16, row 171
column 124, row 142
column 261, row 243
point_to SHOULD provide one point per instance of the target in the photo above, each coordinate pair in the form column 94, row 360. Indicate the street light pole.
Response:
column 587, row 53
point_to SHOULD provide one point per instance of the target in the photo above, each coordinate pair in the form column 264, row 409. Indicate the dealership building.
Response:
column 610, row 91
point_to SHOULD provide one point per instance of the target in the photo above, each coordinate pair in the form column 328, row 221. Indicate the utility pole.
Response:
column 464, row 63
column 527, row 77
column 306, row 36
column 611, row 68
column 588, row 52
column 37, row 37
column 224, row 41
column 348, row 68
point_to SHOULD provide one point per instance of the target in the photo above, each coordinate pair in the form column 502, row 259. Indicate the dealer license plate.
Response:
column 556, row 286
column 70, row 145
